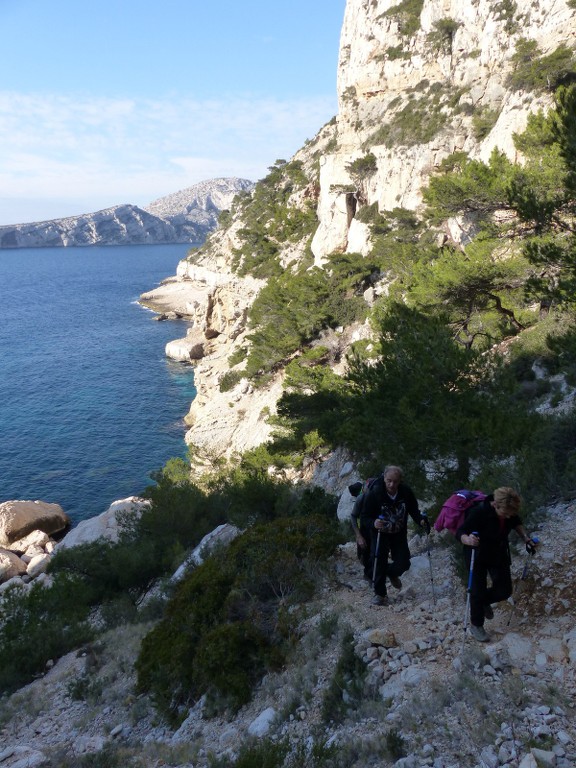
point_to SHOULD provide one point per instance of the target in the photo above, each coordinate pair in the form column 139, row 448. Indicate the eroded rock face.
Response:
column 380, row 70
column 19, row 518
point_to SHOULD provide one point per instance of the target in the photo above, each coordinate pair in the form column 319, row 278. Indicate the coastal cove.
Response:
column 89, row 403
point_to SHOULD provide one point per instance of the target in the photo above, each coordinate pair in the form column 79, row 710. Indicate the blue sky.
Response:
column 124, row 102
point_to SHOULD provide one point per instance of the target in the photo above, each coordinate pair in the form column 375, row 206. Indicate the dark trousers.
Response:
column 392, row 558
column 481, row 594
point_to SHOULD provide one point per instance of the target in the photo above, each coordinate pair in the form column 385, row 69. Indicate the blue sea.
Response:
column 89, row 404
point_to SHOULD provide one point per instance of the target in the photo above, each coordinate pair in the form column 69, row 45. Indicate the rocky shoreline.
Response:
column 31, row 532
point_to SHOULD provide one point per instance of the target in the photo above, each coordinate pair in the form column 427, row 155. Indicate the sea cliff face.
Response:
column 187, row 216
column 416, row 82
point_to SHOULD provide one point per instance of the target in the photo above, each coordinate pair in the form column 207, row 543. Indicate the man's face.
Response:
column 392, row 481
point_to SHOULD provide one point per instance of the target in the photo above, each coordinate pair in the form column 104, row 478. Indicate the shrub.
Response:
column 229, row 380
column 418, row 122
column 237, row 357
column 483, row 122
column 397, row 52
column 233, row 604
column 505, row 11
column 264, row 754
column 44, row 623
column 534, row 72
column 345, row 691
column 440, row 39
column 407, row 15
column 395, row 744
column 85, row 688
column 106, row 570
column 271, row 220
column 230, row 658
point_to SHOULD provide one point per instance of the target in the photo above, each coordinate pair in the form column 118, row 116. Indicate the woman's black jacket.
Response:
column 492, row 530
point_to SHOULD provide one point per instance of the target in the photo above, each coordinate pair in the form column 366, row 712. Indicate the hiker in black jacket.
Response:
column 486, row 530
column 385, row 513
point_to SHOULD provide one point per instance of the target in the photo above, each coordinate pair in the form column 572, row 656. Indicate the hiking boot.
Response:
column 479, row 633
column 488, row 612
column 395, row 581
column 379, row 600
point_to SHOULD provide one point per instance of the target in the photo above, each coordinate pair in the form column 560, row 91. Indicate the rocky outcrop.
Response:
column 187, row 216
column 19, row 518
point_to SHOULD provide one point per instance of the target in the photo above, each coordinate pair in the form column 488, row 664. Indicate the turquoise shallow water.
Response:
column 89, row 404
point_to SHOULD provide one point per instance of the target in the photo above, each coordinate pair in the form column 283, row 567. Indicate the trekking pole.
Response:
column 522, row 578
column 430, row 565
column 430, row 560
column 469, row 590
column 376, row 553
column 376, row 558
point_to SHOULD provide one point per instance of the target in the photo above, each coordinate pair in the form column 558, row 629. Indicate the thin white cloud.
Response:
column 101, row 152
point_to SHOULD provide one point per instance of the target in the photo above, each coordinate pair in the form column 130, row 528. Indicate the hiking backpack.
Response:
column 359, row 491
column 453, row 511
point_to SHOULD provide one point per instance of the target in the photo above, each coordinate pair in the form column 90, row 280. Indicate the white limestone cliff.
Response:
column 381, row 73
column 374, row 87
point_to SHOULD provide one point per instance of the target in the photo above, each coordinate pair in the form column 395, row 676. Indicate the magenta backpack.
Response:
column 454, row 509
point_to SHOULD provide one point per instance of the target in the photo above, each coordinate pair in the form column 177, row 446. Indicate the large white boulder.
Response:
column 104, row 526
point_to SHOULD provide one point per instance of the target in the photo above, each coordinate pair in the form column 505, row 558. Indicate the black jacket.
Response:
column 492, row 531
column 377, row 503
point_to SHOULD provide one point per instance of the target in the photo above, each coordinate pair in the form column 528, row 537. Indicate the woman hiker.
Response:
column 486, row 530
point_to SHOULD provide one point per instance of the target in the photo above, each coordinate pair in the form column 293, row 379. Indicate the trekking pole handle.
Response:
column 531, row 544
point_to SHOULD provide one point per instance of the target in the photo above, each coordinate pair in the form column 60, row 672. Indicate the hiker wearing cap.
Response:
column 385, row 513
column 485, row 530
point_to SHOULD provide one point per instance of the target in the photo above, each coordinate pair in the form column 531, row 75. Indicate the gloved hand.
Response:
column 531, row 547
column 425, row 523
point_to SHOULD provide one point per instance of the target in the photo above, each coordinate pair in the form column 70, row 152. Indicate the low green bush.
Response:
column 230, row 659
column 229, row 380
column 407, row 15
column 226, row 624
column 346, row 689
column 44, row 623
column 533, row 71
column 483, row 121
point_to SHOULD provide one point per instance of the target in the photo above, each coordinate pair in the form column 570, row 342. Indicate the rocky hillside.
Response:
column 187, row 216
column 432, row 697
